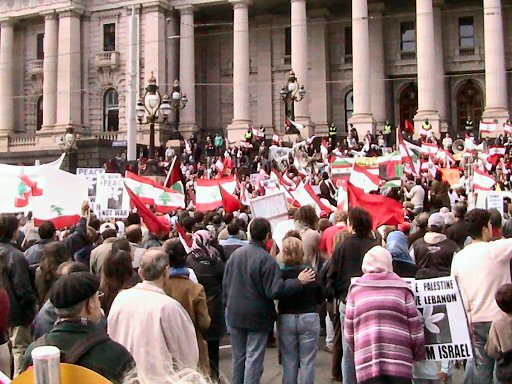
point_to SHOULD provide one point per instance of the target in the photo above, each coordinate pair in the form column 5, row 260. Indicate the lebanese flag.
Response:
column 482, row 181
column 230, row 202
column 342, row 195
column 245, row 196
column 223, row 165
column 257, row 132
column 61, row 198
column 495, row 153
column 428, row 166
column 150, row 192
column 445, row 158
column 219, row 165
column 409, row 127
column 507, row 127
column 151, row 221
column 429, row 148
column 382, row 209
column 289, row 122
column 305, row 195
column 488, row 126
column 185, row 239
column 174, row 179
column 208, row 195
column 362, row 178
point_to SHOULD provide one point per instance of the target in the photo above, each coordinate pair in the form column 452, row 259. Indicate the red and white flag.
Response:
column 219, row 165
column 496, row 150
column 365, row 180
column 488, row 126
column 429, row 167
column 507, row 127
column 482, row 181
column 429, row 148
column 305, row 195
column 208, row 196
column 185, row 239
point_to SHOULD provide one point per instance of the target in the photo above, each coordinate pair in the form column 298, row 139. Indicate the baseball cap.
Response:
column 436, row 220
column 106, row 226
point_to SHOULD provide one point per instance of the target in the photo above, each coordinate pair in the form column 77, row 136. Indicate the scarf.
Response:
column 201, row 243
column 377, row 260
column 398, row 246
column 181, row 272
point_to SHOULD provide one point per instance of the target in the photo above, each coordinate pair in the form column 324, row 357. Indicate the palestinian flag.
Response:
column 341, row 168
column 411, row 154
column 391, row 166
column 174, row 179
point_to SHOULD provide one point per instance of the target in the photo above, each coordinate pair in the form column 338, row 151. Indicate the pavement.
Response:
column 272, row 369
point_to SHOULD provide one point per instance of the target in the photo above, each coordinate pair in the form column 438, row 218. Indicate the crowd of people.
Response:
column 132, row 304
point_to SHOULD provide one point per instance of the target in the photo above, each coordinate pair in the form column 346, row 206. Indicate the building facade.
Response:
column 64, row 63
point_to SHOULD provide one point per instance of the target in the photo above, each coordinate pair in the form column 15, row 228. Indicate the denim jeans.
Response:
column 298, row 340
column 480, row 370
column 348, row 368
column 248, row 350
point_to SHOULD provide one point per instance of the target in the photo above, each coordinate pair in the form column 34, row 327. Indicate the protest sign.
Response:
column 112, row 200
column 495, row 200
column 274, row 208
column 444, row 318
column 91, row 175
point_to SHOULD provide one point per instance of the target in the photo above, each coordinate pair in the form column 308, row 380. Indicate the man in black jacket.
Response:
column 346, row 263
column 252, row 281
column 16, row 279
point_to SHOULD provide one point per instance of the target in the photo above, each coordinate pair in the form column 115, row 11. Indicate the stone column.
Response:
column 299, row 26
column 6, row 76
column 377, row 65
column 51, row 34
column 241, row 70
column 440, row 86
column 264, row 86
column 495, row 72
column 69, row 71
column 426, row 60
column 187, row 79
column 155, row 41
column 362, row 119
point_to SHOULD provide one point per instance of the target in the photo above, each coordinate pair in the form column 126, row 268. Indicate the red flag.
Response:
column 230, row 202
column 153, row 223
column 174, row 179
column 382, row 209
column 185, row 239
column 409, row 127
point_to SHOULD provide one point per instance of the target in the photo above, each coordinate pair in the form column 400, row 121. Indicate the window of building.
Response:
column 111, row 111
column 109, row 37
column 348, row 45
column 40, row 46
column 288, row 45
column 408, row 36
column 39, row 113
column 349, row 105
column 466, row 32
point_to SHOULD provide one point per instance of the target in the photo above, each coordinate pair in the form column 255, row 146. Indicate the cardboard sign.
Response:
column 273, row 207
column 91, row 175
column 112, row 201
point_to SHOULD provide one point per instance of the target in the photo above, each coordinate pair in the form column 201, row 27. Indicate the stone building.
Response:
column 64, row 63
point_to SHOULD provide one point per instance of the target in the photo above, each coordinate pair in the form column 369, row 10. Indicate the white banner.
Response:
column 91, row 176
column 112, row 201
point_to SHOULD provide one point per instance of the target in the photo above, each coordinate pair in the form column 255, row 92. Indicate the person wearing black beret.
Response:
column 77, row 333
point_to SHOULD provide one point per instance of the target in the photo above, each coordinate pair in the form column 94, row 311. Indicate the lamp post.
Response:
column 152, row 103
column 178, row 102
column 292, row 92
column 67, row 145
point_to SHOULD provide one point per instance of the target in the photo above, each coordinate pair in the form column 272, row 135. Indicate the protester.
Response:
column 209, row 269
column 154, row 240
column 157, row 330
column 481, row 268
column 46, row 233
column 233, row 242
column 499, row 343
column 17, row 283
column 83, row 255
column 327, row 237
column 458, row 232
column 298, row 321
column 252, row 281
column 54, row 254
column 397, row 246
column 134, row 236
column 306, row 222
column 416, row 195
column 108, row 232
column 420, row 225
column 381, row 306
column 190, row 295
column 81, row 342
column 5, row 357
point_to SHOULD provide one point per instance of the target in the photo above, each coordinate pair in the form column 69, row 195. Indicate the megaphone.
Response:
column 458, row 146
column 482, row 147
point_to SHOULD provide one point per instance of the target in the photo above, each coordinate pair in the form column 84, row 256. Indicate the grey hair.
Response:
column 72, row 311
column 152, row 264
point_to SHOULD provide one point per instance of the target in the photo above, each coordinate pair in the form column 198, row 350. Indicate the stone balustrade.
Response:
column 107, row 60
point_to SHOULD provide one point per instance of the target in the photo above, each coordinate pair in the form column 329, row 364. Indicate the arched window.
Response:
column 470, row 102
column 110, row 110
column 408, row 103
column 349, row 105
column 39, row 113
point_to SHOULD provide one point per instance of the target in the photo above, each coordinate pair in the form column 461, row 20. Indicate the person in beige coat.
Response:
column 189, row 294
column 154, row 327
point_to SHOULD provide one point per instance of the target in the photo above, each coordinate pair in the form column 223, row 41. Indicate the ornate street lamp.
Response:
column 151, row 104
column 292, row 92
column 178, row 102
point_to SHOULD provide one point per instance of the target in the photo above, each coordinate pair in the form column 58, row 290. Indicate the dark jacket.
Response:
column 44, row 321
column 403, row 269
column 252, row 281
column 436, row 254
column 108, row 358
column 347, row 260
column 34, row 254
column 458, row 232
column 151, row 241
column 416, row 235
column 16, row 278
column 209, row 270
column 304, row 301
column 77, row 238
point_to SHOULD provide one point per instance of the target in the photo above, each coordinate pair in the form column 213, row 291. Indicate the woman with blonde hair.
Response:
column 298, row 321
